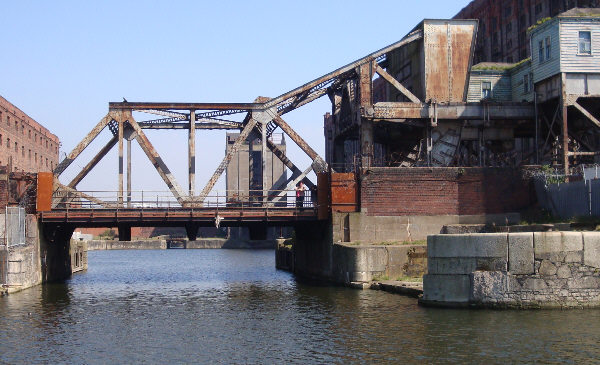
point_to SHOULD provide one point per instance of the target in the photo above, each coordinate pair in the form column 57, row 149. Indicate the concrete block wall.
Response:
column 20, row 266
column 364, row 263
column 535, row 269
column 443, row 191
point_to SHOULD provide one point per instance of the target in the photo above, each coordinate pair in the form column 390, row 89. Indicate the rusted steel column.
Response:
column 120, row 193
column 192, row 152
column 366, row 142
column 263, row 159
column 565, row 124
column 128, row 173
column 565, row 141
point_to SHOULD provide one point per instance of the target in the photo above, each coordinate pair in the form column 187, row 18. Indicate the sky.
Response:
column 62, row 62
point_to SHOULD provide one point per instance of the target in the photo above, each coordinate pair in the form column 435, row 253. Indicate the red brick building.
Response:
column 503, row 24
column 25, row 145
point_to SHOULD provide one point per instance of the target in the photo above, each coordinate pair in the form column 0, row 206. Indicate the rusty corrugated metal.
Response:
column 344, row 193
column 45, row 182
column 447, row 48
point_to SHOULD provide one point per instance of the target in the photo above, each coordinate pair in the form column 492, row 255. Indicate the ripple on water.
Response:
column 232, row 306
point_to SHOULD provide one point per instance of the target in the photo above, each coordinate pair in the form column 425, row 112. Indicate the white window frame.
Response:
column 589, row 43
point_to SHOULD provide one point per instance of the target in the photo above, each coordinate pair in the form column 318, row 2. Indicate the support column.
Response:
column 128, row 173
column 120, row 193
column 192, row 152
column 124, row 233
column 366, row 142
column 565, row 124
column 565, row 139
column 263, row 159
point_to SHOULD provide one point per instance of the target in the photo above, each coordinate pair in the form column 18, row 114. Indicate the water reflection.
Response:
column 223, row 306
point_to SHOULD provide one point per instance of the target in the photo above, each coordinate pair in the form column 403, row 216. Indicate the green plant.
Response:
column 410, row 279
column 538, row 23
column 380, row 277
column 108, row 234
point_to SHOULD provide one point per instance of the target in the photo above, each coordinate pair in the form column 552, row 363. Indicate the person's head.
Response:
column 300, row 184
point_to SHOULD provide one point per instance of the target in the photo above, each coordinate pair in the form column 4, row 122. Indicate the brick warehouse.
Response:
column 503, row 24
column 25, row 145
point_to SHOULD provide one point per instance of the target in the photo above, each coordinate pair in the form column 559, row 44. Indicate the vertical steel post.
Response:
column 263, row 158
column 192, row 153
column 120, row 193
column 565, row 141
column 128, row 173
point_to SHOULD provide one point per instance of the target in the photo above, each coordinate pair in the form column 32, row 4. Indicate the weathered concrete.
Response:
column 364, row 228
column 230, row 243
column 407, row 288
column 95, row 245
column 545, row 269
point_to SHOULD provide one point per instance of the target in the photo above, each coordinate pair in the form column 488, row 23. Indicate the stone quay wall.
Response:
column 93, row 245
column 513, row 270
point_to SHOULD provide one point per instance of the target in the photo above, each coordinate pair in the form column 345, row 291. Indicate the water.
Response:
column 232, row 306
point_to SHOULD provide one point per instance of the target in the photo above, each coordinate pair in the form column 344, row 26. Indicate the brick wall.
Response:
column 443, row 191
column 25, row 145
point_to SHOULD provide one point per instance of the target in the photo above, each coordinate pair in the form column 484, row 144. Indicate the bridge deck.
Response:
column 177, row 216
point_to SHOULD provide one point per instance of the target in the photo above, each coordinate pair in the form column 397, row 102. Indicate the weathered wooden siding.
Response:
column 517, row 86
column 549, row 67
column 570, row 59
column 501, row 85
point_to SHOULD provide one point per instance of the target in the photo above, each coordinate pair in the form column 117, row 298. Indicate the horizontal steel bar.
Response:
column 184, row 106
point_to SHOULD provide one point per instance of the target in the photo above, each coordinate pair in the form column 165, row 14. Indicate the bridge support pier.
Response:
column 55, row 243
column 124, row 233
column 192, row 232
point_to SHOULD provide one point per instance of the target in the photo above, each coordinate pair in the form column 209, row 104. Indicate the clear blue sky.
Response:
column 63, row 61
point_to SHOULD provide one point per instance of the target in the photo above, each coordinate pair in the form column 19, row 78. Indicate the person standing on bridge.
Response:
column 300, row 192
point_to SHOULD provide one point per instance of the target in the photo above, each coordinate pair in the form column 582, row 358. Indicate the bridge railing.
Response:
column 146, row 199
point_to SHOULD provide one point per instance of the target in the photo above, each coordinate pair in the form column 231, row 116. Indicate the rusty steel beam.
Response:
column 296, row 138
column 171, row 125
column 120, row 162
column 293, row 183
column 62, row 166
column 349, row 67
column 156, row 161
column 223, row 165
column 365, row 88
column 288, row 163
column 72, row 193
column 83, row 173
column 192, row 153
column 138, row 106
column 397, row 110
column 389, row 78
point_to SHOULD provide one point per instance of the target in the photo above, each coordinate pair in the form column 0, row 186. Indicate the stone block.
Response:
column 520, row 253
column 563, row 272
column 586, row 282
column 468, row 245
column 451, row 265
column 488, row 286
column 572, row 257
column 591, row 249
column 547, row 268
column 553, row 246
column 447, row 288
column 534, row 284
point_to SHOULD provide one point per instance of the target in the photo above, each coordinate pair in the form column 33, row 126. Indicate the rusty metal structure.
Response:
column 421, row 117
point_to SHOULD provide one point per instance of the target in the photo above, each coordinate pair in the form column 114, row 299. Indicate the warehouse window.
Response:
column 585, row 42
column 548, row 48
column 8, row 143
column 526, row 83
column 486, row 90
column 541, row 51
column 16, row 147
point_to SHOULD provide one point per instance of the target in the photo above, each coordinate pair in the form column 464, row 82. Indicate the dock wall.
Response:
column 520, row 270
